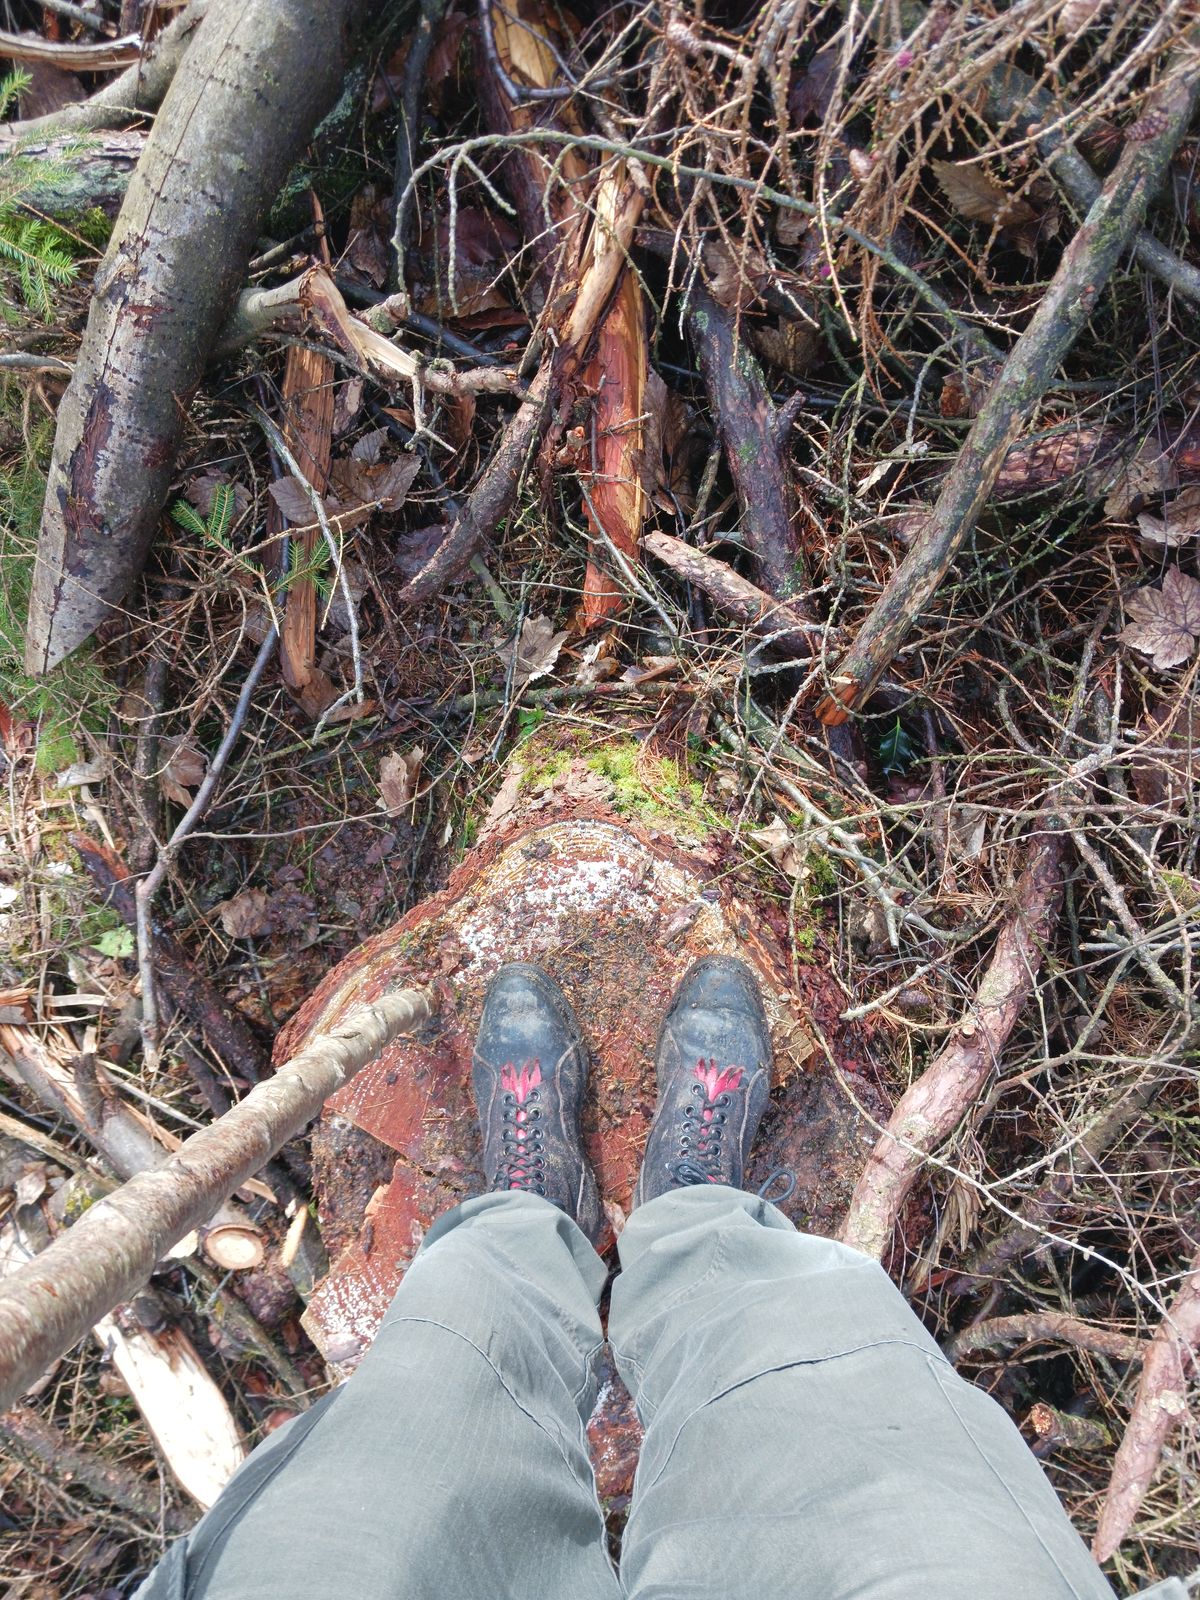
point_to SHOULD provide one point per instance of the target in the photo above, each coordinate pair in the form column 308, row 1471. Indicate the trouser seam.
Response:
column 948, row 1393
column 781, row 1366
column 431, row 1322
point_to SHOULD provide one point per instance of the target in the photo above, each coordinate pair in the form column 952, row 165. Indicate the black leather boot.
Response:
column 529, row 1072
column 714, row 1073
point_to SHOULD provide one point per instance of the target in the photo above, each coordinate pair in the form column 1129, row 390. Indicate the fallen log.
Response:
column 183, row 1408
column 51, row 1302
column 1161, row 1401
column 1029, row 369
column 125, row 1140
column 945, row 1092
column 259, row 73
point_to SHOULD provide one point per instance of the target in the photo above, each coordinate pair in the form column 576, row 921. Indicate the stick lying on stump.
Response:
column 937, row 1102
column 1086, row 266
column 108, row 1255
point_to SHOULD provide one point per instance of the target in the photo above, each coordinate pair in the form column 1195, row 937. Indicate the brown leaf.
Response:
column 813, row 88
column 780, row 844
column 361, row 478
column 199, row 492
column 536, row 651
column 182, row 770
column 1166, row 621
column 246, row 915
column 294, row 500
column 1180, row 521
column 398, row 777
column 1147, row 473
column 975, row 195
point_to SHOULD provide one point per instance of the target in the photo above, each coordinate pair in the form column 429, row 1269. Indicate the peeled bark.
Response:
column 49, row 1304
column 1170, row 1366
column 950, row 1085
column 259, row 75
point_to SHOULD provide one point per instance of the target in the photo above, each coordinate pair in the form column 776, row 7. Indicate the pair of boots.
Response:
column 530, row 1071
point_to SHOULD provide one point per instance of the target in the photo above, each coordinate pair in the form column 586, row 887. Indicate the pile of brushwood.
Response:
column 807, row 392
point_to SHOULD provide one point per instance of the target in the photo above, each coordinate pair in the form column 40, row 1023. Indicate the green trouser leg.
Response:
column 453, row 1465
column 804, row 1436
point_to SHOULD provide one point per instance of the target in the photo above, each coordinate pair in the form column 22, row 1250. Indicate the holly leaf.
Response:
column 975, row 195
column 896, row 750
column 1166, row 621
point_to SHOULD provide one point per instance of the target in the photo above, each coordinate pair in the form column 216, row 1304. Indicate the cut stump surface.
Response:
column 617, row 914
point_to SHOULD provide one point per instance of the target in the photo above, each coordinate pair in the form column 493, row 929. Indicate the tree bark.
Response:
column 258, row 76
column 48, row 1305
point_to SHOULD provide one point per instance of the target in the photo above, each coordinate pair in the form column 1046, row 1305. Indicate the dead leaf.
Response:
column 967, row 828
column 246, row 915
column 362, row 478
column 31, row 1184
column 812, row 89
column 199, row 492
column 781, row 845
column 975, row 195
column 1166, row 621
column 1178, row 523
column 1144, row 474
column 182, row 770
column 398, row 777
column 536, row 651
column 1076, row 15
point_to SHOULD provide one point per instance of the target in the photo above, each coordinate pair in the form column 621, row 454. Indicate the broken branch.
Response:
column 49, row 1304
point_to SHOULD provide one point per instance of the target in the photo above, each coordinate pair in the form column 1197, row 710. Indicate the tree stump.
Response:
column 616, row 899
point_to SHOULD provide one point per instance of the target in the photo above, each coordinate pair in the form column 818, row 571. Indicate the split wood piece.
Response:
column 161, row 1366
column 732, row 594
column 178, row 254
column 228, row 1034
column 749, row 427
column 1027, row 1231
column 71, row 1465
column 127, row 1140
column 1060, row 1430
column 1169, row 1369
column 308, row 432
column 523, row 32
column 948, row 1089
column 490, row 501
column 181, row 1405
column 1086, row 265
column 51, row 1302
column 69, row 56
column 614, row 497
column 529, row 42
column 139, row 88
column 1056, row 1326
